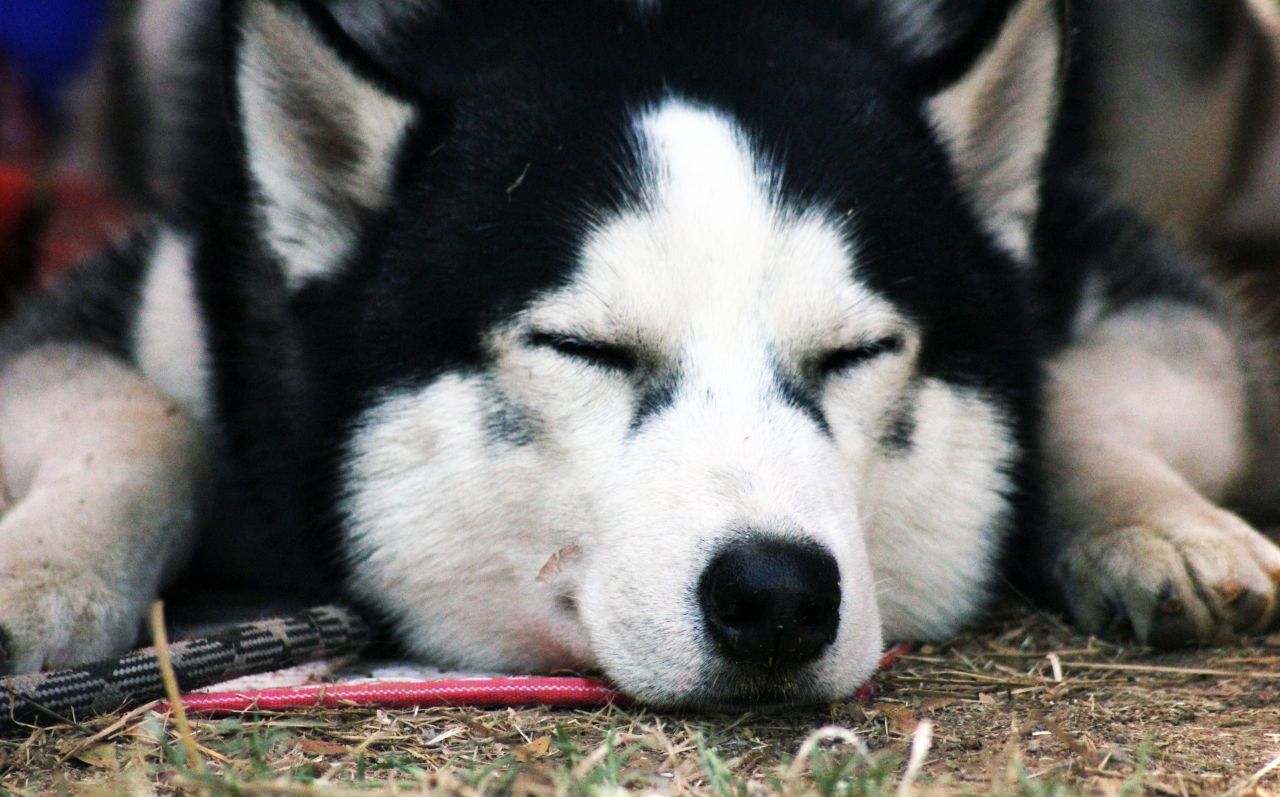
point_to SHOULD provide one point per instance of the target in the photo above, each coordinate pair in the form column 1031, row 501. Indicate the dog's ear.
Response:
column 320, row 128
column 993, row 71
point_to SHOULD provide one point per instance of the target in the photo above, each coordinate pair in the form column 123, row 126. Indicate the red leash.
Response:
column 488, row 692
column 871, row 688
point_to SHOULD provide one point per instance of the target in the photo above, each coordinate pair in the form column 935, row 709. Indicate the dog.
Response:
column 706, row 345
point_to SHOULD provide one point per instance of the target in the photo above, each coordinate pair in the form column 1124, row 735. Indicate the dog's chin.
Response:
column 727, row 688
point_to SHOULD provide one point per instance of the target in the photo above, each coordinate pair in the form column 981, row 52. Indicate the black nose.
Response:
column 771, row 602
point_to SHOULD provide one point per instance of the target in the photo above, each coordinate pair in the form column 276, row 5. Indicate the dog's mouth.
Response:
column 766, row 702
column 730, row 688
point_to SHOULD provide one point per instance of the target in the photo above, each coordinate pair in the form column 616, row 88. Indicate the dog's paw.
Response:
column 1190, row 575
column 51, row 617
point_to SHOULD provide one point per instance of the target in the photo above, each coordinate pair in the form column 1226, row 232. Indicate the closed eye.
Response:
column 842, row 360
column 608, row 356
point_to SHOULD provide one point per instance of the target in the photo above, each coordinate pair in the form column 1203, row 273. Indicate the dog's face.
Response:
column 697, row 369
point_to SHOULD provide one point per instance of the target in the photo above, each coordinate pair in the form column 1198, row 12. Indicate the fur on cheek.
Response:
column 934, row 559
column 433, row 497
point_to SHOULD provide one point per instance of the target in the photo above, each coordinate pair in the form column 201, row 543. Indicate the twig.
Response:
column 1255, row 675
column 160, row 639
column 1055, row 662
column 1254, row 779
column 829, row 733
column 108, row 731
column 921, row 741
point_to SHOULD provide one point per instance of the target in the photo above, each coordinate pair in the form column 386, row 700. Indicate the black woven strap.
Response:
column 323, row 632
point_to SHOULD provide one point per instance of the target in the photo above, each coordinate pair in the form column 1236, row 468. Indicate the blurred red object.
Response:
column 48, row 224
column 82, row 220
column 49, row 220
column 17, row 193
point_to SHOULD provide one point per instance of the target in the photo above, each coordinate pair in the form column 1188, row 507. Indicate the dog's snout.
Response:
column 771, row 602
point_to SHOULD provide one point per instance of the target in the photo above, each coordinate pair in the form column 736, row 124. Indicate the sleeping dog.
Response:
column 708, row 345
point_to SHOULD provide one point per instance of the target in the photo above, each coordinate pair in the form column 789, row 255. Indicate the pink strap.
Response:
column 495, row 692
column 492, row 692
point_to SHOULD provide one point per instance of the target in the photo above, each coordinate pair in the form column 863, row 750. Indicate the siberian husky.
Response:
column 705, row 344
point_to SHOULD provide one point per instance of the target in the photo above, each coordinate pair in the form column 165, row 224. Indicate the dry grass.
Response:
column 1029, row 709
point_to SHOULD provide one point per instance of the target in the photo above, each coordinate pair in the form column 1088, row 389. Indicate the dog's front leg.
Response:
column 1148, row 429
column 102, row 474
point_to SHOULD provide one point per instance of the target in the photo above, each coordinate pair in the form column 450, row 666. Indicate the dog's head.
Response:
column 682, row 340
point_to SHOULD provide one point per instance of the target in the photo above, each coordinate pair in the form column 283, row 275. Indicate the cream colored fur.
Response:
column 103, row 474
column 1145, row 433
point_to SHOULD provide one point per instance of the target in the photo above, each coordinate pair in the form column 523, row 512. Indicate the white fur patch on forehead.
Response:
column 715, row 258
column 701, row 157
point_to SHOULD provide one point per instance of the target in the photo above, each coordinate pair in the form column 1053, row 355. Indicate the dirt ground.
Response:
column 1196, row 722
column 1027, row 709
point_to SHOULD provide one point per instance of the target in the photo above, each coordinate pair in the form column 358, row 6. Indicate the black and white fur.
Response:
column 517, row 322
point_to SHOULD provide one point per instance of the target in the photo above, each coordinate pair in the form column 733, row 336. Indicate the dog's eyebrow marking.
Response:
column 898, row 437
column 505, row 422
column 655, row 398
column 803, row 397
